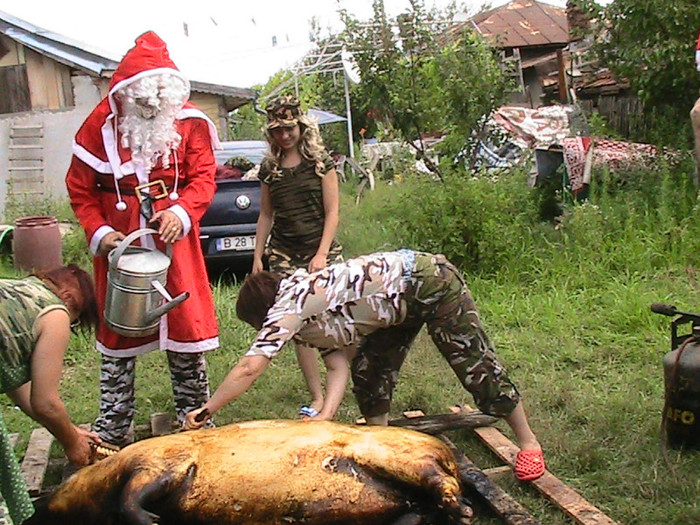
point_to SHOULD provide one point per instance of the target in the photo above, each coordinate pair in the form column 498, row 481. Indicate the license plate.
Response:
column 246, row 242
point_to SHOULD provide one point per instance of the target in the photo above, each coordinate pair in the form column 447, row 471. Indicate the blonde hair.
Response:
column 310, row 146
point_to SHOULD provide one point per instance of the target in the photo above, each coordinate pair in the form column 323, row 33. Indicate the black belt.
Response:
column 146, row 199
column 112, row 189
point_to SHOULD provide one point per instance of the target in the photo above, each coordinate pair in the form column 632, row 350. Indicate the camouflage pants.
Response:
column 437, row 296
column 286, row 264
column 188, row 376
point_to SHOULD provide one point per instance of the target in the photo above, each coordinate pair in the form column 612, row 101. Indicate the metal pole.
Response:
column 349, row 115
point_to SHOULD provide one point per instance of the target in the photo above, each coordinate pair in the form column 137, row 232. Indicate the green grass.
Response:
column 566, row 303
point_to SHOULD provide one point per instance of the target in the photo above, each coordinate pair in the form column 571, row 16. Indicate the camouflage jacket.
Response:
column 337, row 306
column 22, row 303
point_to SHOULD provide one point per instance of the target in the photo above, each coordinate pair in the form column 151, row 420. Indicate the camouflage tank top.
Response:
column 297, row 202
column 22, row 303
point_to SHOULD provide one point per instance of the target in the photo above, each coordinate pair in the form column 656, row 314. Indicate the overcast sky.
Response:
column 228, row 42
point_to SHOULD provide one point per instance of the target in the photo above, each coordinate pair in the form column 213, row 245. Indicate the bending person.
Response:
column 370, row 309
column 36, row 314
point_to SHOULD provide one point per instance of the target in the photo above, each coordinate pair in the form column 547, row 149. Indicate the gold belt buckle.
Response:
column 161, row 186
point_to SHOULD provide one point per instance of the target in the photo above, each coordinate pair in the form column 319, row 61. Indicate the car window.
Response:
column 253, row 150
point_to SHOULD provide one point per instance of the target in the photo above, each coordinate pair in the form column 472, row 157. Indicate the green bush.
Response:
column 480, row 223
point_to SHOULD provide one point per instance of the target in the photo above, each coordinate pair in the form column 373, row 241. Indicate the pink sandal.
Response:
column 529, row 465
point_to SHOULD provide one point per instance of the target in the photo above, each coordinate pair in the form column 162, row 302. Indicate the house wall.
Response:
column 59, row 128
column 15, row 56
column 213, row 107
column 49, row 82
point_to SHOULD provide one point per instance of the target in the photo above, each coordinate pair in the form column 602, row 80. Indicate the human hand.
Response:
column 257, row 266
column 196, row 419
column 80, row 452
column 319, row 262
column 109, row 242
column 169, row 225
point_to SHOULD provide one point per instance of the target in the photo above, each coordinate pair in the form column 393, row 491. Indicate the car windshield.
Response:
column 253, row 150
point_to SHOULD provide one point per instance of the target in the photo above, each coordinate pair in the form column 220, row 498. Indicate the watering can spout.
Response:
column 166, row 307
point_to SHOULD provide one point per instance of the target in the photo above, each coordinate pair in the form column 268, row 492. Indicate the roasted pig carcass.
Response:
column 267, row 472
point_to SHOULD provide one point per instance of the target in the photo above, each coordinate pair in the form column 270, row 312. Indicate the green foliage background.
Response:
column 652, row 44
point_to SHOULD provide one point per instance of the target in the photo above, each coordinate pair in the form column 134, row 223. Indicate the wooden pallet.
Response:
column 563, row 496
column 483, row 481
column 36, row 462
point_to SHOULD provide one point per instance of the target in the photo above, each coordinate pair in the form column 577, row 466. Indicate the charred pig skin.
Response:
column 266, row 472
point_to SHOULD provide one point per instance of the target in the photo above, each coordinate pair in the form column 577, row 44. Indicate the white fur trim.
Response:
column 196, row 113
column 127, row 352
column 110, row 143
column 191, row 348
column 184, row 218
column 98, row 236
column 149, row 72
column 91, row 160
column 184, row 348
column 697, row 58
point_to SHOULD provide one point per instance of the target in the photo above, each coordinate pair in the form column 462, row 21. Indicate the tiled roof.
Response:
column 523, row 23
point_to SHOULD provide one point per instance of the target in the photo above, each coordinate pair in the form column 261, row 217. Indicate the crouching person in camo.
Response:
column 368, row 311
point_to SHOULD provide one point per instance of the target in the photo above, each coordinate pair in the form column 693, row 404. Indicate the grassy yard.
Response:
column 567, row 305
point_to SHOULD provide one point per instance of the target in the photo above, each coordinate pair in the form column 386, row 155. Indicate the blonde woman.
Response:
column 299, row 209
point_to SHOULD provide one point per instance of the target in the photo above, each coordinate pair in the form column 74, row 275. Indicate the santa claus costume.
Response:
column 102, row 183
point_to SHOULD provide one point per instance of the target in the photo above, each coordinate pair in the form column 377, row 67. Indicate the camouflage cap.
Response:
column 283, row 111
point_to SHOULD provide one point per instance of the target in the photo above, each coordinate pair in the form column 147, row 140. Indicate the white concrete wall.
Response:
column 59, row 129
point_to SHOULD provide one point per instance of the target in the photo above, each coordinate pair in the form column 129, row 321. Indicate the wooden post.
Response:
column 160, row 424
column 563, row 91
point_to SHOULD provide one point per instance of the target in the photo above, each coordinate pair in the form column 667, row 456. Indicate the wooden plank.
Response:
column 567, row 499
column 161, row 424
column 512, row 512
column 36, row 459
column 442, row 422
column 495, row 473
column 416, row 420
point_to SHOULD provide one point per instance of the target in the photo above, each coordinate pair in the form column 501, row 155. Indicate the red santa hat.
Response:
column 148, row 57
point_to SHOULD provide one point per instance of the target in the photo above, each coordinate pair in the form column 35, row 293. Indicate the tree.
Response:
column 422, row 76
column 652, row 43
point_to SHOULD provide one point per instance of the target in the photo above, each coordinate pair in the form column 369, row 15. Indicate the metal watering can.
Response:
column 136, row 287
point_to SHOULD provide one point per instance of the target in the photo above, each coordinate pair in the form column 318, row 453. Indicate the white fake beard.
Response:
column 149, row 139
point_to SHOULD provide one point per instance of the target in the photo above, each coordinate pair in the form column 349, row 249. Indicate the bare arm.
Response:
column 236, row 383
column 40, row 398
column 263, row 227
column 331, row 208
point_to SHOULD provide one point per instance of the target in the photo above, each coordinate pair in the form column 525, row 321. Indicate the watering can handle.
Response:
column 126, row 242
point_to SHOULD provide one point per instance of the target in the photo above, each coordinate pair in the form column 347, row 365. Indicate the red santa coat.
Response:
column 101, row 180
